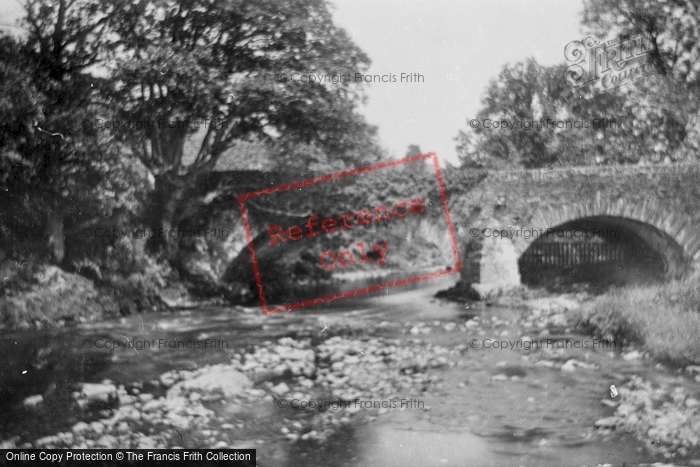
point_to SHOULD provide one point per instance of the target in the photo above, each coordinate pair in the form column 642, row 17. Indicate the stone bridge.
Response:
column 651, row 213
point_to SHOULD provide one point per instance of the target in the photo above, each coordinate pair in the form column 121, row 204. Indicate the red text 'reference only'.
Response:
column 329, row 224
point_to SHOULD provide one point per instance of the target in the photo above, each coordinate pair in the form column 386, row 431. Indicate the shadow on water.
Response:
column 359, row 282
column 340, row 450
column 47, row 364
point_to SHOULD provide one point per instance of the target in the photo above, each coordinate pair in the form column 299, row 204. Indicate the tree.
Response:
column 198, row 76
column 49, row 163
column 653, row 119
column 512, row 97
column 508, row 98
column 537, row 120
column 667, row 104
column 413, row 150
column 233, row 68
column 416, row 168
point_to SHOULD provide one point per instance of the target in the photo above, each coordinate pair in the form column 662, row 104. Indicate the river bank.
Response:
column 663, row 413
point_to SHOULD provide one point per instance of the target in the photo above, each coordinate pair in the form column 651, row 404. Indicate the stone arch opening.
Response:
column 601, row 251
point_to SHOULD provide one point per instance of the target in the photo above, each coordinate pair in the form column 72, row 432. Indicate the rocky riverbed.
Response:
column 329, row 380
column 261, row 396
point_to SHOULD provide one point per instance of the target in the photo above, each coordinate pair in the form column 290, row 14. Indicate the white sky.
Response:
column 10, row 10
column 457, row 45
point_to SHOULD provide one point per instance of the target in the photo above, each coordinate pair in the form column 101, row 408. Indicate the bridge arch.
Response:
column 652, row 238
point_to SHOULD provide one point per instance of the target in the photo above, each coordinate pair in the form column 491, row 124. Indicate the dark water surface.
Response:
column 496, row 408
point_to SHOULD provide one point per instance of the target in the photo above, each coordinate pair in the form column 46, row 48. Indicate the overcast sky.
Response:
column 457, row 46
column 10, row 10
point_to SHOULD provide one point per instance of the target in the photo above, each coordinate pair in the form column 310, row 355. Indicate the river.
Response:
column 492, row 407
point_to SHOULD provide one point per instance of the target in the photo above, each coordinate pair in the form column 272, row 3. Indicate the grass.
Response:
column 664, row 319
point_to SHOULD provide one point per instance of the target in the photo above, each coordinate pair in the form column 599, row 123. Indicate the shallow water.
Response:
column 496, row 408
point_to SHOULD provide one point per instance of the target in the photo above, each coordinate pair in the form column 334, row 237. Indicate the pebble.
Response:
column 168, row 379
column 33, row 401
column 366, row 367
column 98, row 392
column 97, row 427
column 633, row 355
column 608, row 423
column 546, row 363
column 691, row 402
column 281, row 389
column 80, row 427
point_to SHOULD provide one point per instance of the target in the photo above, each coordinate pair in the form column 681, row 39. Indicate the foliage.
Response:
column 672, row 25
column 655, row 119
column 664, row 319
column 47, row 296
column 55, row 171
column 128, row 274
column 564, row 125
column 195, row 81
column 208, row 61
column 674, row 96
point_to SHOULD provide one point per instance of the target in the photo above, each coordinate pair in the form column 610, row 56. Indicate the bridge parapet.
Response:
column 554, row 173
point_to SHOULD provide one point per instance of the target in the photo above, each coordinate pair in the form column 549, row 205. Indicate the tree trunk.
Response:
column 55, row 238
column 164, row 214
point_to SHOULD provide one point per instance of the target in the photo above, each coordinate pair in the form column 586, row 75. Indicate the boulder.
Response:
column 96, row 393
column 217, row 379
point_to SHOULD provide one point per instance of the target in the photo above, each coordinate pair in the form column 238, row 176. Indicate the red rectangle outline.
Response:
column 335, row 176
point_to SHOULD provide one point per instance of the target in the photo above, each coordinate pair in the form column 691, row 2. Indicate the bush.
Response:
column 52, row 297
column 128, row 274
column 664, row 319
